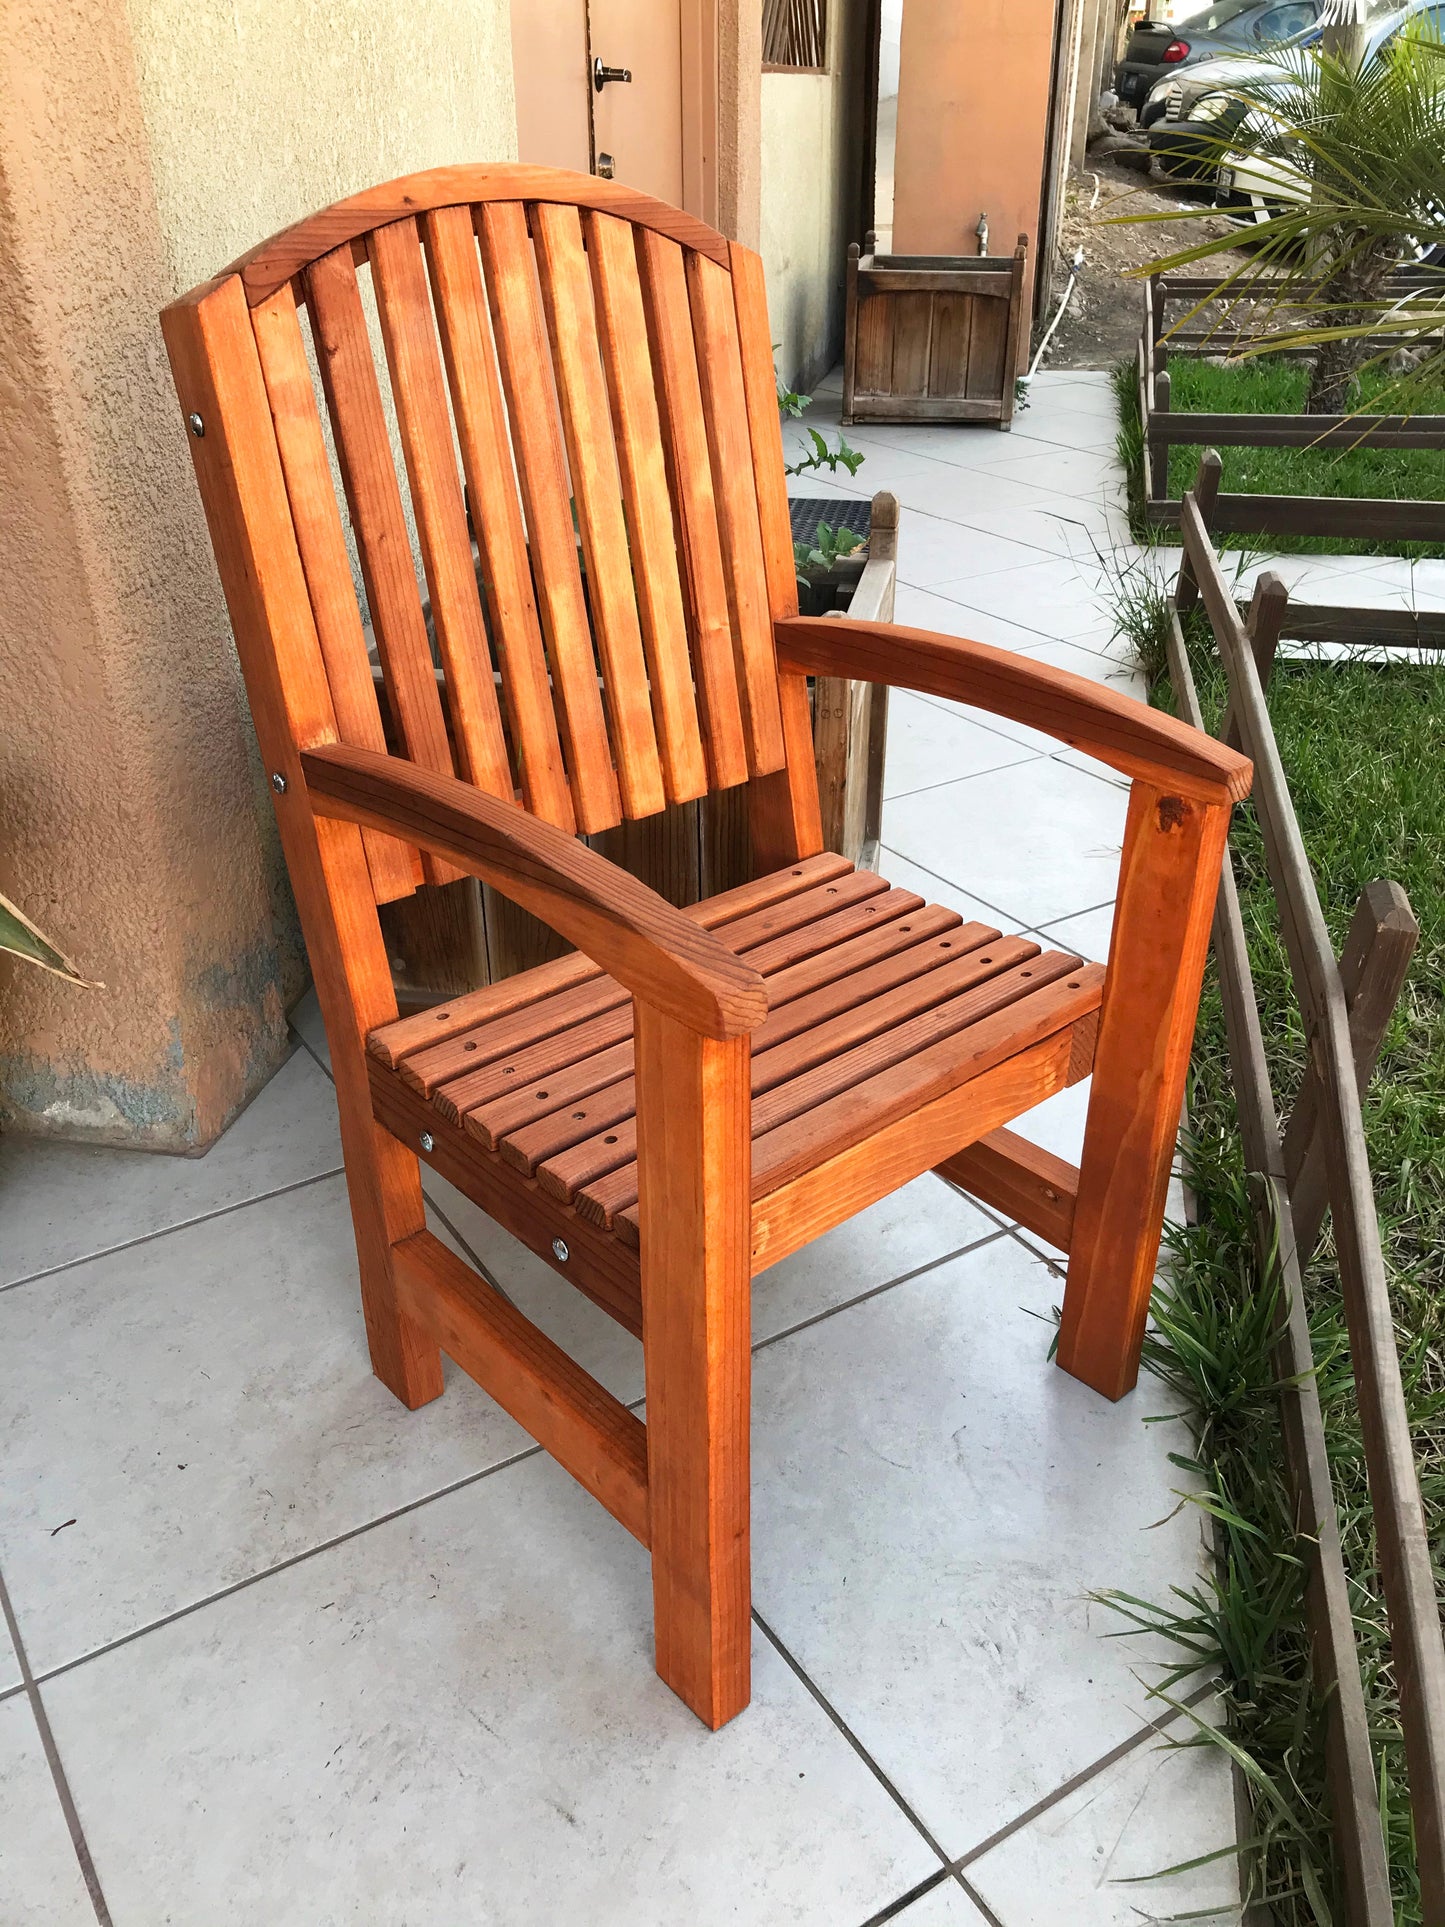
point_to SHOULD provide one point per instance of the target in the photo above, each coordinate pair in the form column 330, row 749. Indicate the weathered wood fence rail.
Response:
column 1320, row 1162
column 1165, row 428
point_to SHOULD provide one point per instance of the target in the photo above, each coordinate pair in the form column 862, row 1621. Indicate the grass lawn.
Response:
column 1360, row 746
column 1278, row 388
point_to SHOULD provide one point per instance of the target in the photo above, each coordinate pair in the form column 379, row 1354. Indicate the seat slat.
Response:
column 276, row 325
column 368, row 474
column 715, row 331
column 461, row 306
column 818, row 1076
column 427, row 1070
column 493, row 1100
column 414, row 359
column 530, row 1126
column 597, row 486
column 590, row 1127
column 392, row 1043
column 622, row 324
column 669, row 322
column 524, row 353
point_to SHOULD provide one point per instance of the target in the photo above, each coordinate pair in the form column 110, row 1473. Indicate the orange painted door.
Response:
column 639, row 122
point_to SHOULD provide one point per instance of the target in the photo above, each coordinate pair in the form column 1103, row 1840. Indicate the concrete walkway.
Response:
column 303, row 1657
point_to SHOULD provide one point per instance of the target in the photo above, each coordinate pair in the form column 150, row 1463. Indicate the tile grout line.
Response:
column 1151, row 1730
column 164, row 1231
column 458, row 1485
column 978, row 1900
column 285, row 1565
column 876, row 1291
column 895, row 1907
column 63, row 1793
column 1024, row 929
column 848, row 1734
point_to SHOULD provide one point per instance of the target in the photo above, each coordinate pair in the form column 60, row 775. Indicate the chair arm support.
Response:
column 662, row 956
column 1117, row 730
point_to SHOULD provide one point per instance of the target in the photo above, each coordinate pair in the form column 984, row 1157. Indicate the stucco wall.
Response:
column 140, row 148
column 810, row 170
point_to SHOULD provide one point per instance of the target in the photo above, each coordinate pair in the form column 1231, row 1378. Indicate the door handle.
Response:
column 601, row 75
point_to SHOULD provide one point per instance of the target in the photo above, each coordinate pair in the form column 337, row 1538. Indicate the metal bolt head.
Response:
column 196, row 425
column 428, row 1143
column 560, row 1251
column 278, row 782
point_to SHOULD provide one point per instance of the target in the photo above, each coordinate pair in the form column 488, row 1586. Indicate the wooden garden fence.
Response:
column 1164, row 428
column 1319, row 1161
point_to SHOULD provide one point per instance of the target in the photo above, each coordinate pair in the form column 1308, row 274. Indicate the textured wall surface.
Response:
column 140, row 149
column 810, row 168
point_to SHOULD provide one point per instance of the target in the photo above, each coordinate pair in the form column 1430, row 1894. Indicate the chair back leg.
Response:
column 694, row 1164
column 1173, row 848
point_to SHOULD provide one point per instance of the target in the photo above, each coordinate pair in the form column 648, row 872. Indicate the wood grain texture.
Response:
column 587, row 1430
column 597, row 495
column 1127, row 735
column 265, row 267
column 719, row 363
column 696, row 1336
column 689, row 467
column 368, row 474
column 424, row 420
column 524, row 352
column 802, row 1209
column 218, row 375
column 1168, row 878
column 646, row 944
column 410, row 1035
column 1023, row 1180
column 622, row 321
column 461, row 309
column 322, row 544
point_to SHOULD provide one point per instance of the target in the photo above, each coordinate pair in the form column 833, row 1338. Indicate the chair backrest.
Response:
column 585, row 375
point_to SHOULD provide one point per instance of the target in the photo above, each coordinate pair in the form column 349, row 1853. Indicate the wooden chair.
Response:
column 692, row 1093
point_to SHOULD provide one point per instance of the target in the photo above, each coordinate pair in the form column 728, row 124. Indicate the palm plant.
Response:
column 1362, row 143
column 19, row 937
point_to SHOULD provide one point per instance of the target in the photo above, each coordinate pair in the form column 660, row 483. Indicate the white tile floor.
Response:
column 303, row 1657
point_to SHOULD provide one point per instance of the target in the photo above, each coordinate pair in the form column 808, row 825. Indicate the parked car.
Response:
column 1155, row 48
column 1202, row 114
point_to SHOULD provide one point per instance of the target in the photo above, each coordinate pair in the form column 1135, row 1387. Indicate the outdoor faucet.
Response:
column 982, row 232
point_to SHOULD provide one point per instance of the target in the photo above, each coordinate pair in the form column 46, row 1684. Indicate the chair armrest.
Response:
column 650, row 947
column 1118, row 730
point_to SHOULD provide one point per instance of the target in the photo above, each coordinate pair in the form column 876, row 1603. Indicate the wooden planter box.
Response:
column 933, row 337
column 449, row 938
column 1164, row 428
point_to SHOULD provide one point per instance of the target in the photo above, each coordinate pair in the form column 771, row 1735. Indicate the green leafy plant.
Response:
column 19, row 937
column 791, row 406
column 830, row 546
column 1358, row 147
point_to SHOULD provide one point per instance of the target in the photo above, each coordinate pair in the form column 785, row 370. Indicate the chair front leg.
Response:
column 694, row 1172
column 1168, row 877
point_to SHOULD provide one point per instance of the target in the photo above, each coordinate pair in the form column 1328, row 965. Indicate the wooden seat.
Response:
column 878, row 1004
column 581, row 378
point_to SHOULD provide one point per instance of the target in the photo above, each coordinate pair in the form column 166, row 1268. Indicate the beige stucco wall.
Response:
column 141, row 147
column 810, row 169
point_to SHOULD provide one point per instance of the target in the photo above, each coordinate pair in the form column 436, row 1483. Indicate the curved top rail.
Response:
column 269, row 265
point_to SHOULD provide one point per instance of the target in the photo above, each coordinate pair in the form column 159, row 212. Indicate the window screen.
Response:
column 795, row 34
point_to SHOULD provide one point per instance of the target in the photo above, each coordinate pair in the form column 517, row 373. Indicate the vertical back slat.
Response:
column 496, row 512
column 690, row 468
column 322, row 543
column 765, row 429
column 404, row 306
column 622, row 324
column 522, row 350
column 586, row 419
column 368, row 474
column 720, row 369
